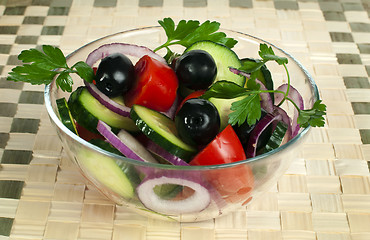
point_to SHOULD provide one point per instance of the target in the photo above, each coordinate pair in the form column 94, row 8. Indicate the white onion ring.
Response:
column 198, row 201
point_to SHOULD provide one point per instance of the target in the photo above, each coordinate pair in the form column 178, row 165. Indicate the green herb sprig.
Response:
column 41, row 67
column 188, row 32
column 248, row 108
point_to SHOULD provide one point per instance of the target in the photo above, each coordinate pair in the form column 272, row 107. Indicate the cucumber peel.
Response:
column 65, row 115
column 224, row 58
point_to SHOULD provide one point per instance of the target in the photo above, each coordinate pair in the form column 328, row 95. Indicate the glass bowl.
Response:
column 213, row 190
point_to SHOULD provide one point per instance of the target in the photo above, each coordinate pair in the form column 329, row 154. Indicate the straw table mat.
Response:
column 325, row 196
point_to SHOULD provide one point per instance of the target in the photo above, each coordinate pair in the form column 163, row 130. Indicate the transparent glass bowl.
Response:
column 220, row 188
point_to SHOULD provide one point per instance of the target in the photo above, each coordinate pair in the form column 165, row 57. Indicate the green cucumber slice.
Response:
column 65, row 115
column 167, row 191
column 224, row 58
column 161, row 130
column 113, row 175
column 130, row 171
column 277, row 137
column 87, row 111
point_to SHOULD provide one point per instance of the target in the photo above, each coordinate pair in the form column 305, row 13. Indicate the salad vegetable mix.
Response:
column 204, row 106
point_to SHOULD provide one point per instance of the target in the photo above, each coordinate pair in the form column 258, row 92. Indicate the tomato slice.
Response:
column 155, row 86
column 234, row 183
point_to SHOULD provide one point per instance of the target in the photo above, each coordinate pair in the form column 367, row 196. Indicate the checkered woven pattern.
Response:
column 324, row 196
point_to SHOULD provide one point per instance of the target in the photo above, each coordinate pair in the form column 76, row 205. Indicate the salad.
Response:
column 203, row 106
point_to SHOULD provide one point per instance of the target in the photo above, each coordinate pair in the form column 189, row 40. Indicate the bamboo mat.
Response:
column 324, row 196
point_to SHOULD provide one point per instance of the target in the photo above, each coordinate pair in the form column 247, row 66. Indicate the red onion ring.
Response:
column 171, row 112
column 286, row 119
column 123, row 48
column 257, row 131
column 297, row 98
column 125, row 143
column 159, row 151
column 266, row 100
column 106, row 101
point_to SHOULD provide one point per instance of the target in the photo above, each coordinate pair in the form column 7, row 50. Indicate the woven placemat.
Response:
column 324, row 196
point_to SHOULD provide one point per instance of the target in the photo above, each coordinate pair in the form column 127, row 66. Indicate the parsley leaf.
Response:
column 248, row 108
column 84, row 71
column 313, row 116
column 252, row 84
column 267, row 54
column 188, row 32
column 183, row 28
column 251, row 66
column 224, row 89
column 41, row 67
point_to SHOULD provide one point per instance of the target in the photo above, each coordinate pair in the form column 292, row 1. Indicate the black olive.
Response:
column 115, row 75
column 197, row 121
column 243, row 131
column 196, row 69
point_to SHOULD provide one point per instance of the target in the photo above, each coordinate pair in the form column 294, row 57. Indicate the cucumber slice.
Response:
column 65, row 115
column 167, row 191
column 112, row 175
column 224, row 58
column 87, row 111
column 130, row 171
column 277, row 137
column 161, row 130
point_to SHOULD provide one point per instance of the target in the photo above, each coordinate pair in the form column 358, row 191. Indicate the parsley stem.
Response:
column 164, row 45
column 288, row 88
column 294, row 104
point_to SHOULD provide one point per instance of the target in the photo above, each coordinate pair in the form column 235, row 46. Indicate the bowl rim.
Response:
column 85, row 143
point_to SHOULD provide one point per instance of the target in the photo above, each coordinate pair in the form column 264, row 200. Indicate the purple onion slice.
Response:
column 266, row 100
column 286, row 119
column 125, row 143
column 257, row 131
column 165, row 155
column 297, row 98
column 123, row 48
column 106, row 101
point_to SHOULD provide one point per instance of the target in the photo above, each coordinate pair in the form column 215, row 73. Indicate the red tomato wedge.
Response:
column 236, row 183
column 233, row 184
column 155, row 86
column 225, row 148
column 86, row 134
column 195, row 94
